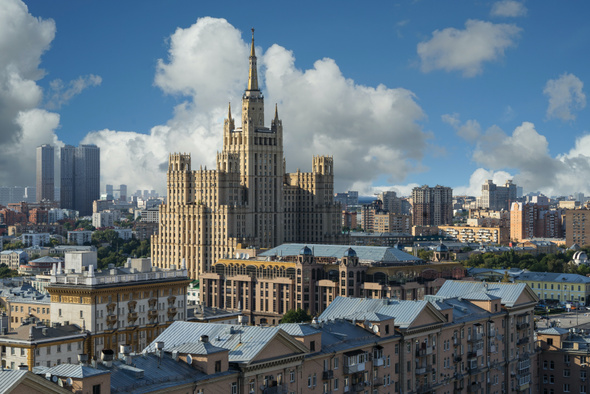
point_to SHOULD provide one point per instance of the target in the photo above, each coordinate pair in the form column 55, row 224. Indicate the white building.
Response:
column 124, row 233
column 105, row 218
column 79, row 237
column 35, row 239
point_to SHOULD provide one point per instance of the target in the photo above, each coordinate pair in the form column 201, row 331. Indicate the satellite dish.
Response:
column 54, row 379
column 189, row 359
column 60, row 382
column 375, row 328
column 69, row 381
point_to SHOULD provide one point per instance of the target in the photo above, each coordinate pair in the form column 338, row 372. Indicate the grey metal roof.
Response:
column 463, row 311
column 508, row 292
column 9, row 378
column 298, row 329
column 553, row 331
column 553, row 277
column 243, row 342
column 365, row 253
column 74, row 371
column 404, row 312
column 198, row 348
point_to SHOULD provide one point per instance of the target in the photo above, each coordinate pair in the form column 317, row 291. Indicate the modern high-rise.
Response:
column 529, row 220
column 45, row 173
column 80, row 177
column 249, row 199
column 432, row 206
column 497, row 197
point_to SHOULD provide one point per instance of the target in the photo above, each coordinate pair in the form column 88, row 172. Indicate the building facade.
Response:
column 80, row 177
column 432, row 206
column 529, row 220
column 577, row 227
column 249, row 198
column 126, row 305
column 45, row 173
column 493, row 235
column 266, row 289
column 495, row 197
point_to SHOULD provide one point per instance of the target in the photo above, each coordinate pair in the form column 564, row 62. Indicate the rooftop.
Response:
column 367, row 254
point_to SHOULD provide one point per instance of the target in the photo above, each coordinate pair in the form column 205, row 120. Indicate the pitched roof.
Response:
column 74, row 371
column 244, row 343
column 404, row 312
column 553, row 331
column 471, row 290
column 198, row 348
column 553, row 277
column 10, row 378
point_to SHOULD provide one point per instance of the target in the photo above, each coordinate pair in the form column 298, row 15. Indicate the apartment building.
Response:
column 577, row 227
column 295, row 276
column 557, row 286
column 38, row 344
column 432, row 206
column 563, row 364
column 248, row 199
column 468, row 234
column 119, row 305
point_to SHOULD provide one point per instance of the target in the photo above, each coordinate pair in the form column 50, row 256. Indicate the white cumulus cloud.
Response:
column 369, row 130
column 566, row 95
column 469, row 131
column 467, row 50
column 23, row 40
column 508, row 8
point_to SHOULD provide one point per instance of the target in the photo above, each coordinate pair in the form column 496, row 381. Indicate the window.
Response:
column 551, row 365
column 312, row 346
column 218, row 366
column 551, row 379
column 96, row 389
column 566, row 387
column 309, row 381
column 336, row 384
column 566, row 373
column 336, row 362
column 234, row 388
column 292, row 376
column 545, row 364
column 252, row 386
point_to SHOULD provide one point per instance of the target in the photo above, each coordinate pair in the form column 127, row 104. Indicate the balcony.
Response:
column 360, row 386
column 378, row 362
column 456, row 341
column 459, row 385
column 425, row 351
column 278, row 389
column 327, row 375
column 474, row 387
column 172, row 312
column 478, row 336
column 458, row 359
column 522, row 326
column 423, row 389
column 132, row 316
column 423, row 370
column 111, row 319
column 354, row 368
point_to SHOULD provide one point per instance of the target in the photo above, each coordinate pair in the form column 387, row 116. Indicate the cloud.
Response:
column 565, row 96
column 466, row 50
column 525, row 153
column 61, row 94
column 368, row 130
column 477, row 179
column 508, row 8
column 23, row 40
column 469, row 131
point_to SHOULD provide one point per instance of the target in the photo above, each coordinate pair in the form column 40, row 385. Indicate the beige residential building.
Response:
column 248, row 199
column 494, row 235
column 125, row 305
column 577, row 227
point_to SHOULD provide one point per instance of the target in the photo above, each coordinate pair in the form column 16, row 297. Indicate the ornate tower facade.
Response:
column 248, row 199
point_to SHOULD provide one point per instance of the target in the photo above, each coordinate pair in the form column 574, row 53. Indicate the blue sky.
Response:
column 401, row 93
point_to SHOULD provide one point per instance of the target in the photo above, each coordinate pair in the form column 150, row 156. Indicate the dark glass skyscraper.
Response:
column 45, row 173
column 80, row 177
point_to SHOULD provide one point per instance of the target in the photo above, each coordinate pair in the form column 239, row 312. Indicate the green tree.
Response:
column 506, row 278
column 425, row 255
column 296, row 316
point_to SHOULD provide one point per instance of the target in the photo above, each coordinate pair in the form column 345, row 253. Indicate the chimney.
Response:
column 205, row 338
column 107, row 357
column 82, row 359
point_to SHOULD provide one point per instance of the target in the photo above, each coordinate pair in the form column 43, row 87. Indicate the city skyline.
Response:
column 414, row 94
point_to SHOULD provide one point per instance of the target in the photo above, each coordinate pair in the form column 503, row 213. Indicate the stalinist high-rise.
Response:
column 249, row 199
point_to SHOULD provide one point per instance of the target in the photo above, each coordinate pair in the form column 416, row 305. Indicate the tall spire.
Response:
column 229, row 112
column 253, row 76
